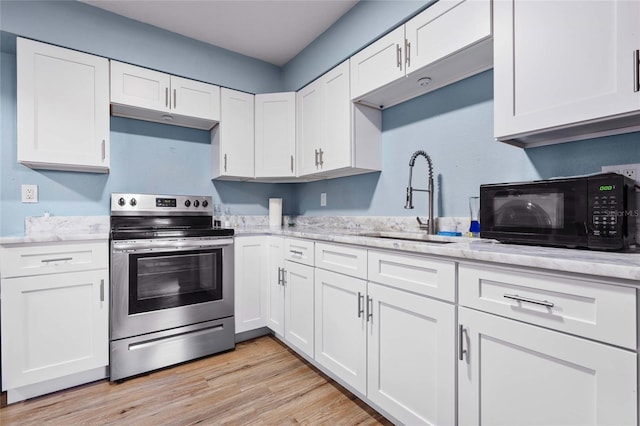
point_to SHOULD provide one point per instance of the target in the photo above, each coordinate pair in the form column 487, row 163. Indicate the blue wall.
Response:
column 145, row 157
column 453, row 124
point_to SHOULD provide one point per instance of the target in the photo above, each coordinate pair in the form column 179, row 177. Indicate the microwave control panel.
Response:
column 608, row 201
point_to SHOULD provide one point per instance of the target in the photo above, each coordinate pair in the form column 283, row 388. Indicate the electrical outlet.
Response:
column 29, row 193
column 629, row 170
column 323, row 199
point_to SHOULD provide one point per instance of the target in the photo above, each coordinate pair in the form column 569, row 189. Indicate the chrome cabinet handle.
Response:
column 316, row 159
column 369, row 309
column 321, row 152
column 360, row 307
column 284, row 277
column 59, row 259
column 104, row 150
column 528, row 300
column 292, row 164
column 461, row 350
column 398, row 56
column 636, row 68
column 407, row 52
column 279, row 276
column 297, row 252
column 174, row 98
column 102, row 290
column 225, row 162
column 166, row 96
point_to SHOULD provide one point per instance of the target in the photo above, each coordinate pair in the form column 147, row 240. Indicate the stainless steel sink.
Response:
column 411, row 236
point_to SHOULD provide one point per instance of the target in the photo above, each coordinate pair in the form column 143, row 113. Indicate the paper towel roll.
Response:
column 275, row 212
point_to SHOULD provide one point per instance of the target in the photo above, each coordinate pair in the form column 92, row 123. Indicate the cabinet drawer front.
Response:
column 342, row 259
column 426, row 276
column 37, row 259
column 300, row 251
column 578, row 306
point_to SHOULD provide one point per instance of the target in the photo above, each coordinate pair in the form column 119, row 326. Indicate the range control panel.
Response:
column 147, row 204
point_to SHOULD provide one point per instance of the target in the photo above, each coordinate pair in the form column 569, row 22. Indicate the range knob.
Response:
column 121, row 202
column 205, row 203
column 187, row 203
column 196, row 203
column 133, row 202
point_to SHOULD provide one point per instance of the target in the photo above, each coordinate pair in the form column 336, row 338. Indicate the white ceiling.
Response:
column 274, row 31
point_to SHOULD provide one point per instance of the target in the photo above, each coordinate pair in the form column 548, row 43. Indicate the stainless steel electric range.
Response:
column 171, row 282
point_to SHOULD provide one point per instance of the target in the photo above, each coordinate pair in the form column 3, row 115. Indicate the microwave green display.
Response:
column 606, row 187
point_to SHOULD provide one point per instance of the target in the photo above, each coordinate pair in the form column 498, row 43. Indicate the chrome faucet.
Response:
column 430, row 225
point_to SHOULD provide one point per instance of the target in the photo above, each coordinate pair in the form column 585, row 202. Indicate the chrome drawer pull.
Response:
column 360, row 307
column 296, row 252
column 527, row 300
column 59, row 259
column 636, row 70
column 102, row 290
column 461, row 349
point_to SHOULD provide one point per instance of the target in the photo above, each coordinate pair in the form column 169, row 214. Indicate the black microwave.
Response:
column 596, row 212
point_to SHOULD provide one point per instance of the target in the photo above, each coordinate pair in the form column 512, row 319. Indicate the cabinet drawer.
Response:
column 300, row 251
column 578, row 306
column 345, row 260
column 422, row 275
column 20, row 260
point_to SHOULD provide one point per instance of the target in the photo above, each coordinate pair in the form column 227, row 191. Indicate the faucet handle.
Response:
column 421, row 224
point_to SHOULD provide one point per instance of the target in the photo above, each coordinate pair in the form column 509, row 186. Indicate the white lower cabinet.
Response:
column 395, row 347
column 298, row 307
column 513, row 373
column 275, row 284
column 250, row 270
column 411, row 356
column 341, row 327
column 55, row 317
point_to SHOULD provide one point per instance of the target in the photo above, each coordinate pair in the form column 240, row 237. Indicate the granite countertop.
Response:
column 624, row 265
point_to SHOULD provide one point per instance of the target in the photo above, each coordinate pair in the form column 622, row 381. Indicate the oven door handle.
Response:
column 170, row 244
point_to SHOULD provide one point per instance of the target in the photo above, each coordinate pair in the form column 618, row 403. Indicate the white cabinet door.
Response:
column 340, row 327
column 232, row 141
column 298, row 306
column 195, row 99
column 275, row 134
column 514, row 373
column 378, row 64
column 250, row 267
column 62, row 108
column 275, row 284
column 53, row 326
column 337, row 145
column 150, row 95
column 411, row 349
column 140, row 87
column 567, row 73
column 310, row 124
column 431, row 35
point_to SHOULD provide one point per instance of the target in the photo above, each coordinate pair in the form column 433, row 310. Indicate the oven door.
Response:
column 162, row 284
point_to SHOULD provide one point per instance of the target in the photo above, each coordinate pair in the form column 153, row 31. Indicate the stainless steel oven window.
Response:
column 167, row 280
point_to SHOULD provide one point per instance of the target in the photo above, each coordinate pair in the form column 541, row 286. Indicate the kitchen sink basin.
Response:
column 411, row 236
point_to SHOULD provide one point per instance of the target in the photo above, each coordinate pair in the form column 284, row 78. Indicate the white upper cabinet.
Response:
column 335, row 137
column 275, row 139
column 380, row 63
column 146, row 94
column 556, row 79
column 62, row 108
column 232, row 141
column 447, row 42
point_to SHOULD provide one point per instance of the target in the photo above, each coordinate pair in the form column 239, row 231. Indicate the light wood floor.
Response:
column 261, row 382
